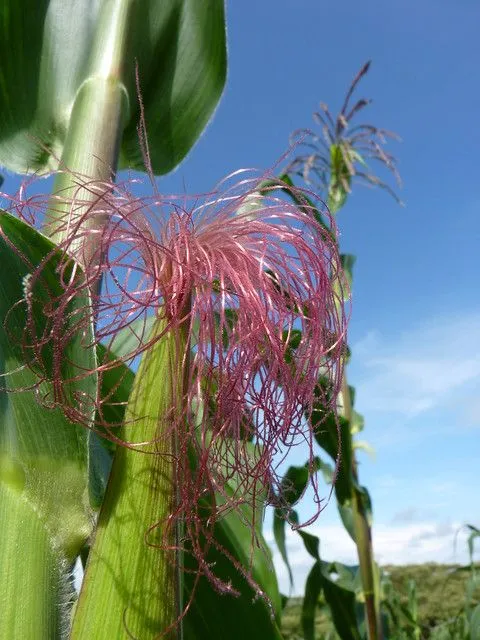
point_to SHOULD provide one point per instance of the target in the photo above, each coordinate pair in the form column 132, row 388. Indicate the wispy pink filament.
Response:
column 245, row 273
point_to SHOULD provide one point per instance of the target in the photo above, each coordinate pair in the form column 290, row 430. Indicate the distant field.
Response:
column 440, row 596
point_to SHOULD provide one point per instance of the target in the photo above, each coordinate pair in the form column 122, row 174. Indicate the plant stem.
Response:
column 132, row 583
column 361, row 524
column 363, row 537
column 91, row 149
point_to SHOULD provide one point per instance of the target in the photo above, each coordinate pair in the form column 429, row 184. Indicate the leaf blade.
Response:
column 180, row 46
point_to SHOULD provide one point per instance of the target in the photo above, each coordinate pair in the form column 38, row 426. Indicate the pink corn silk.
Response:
column 243, row 275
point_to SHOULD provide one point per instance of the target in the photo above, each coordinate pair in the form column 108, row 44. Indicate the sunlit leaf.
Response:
column 363, row 445
column 43, row 456
column 32, row 435
column 211, row 613
column 47, row 49
column 358, row 423
column 311, row 542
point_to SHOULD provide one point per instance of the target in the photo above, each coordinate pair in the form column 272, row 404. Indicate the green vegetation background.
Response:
column 440, row 598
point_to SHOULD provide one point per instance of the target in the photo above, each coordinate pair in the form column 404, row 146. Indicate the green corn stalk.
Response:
column 335, row 172
column 337, row 195
column 132, row 584
column 361, row 523
column 92, row 143
column 363, row 538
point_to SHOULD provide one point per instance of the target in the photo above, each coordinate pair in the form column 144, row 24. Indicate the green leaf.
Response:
column 358, row 422
column 472, row 587
column 412, row 600
column 279, row 525
column 345, row 510
column 43, row 456
column 474, row 534
column 340, row 178
column 332, row 433
column 213, row 616
column 233, row 532
column 313, row 589
column 49, row 451
column 352, row 393
column 115, row 386
column 131, row 338
column 347, row 260
column 339, row 584
column 311, row 542
column 131, row 580
column 293, row 484
column 286, row 184
column 366, row 503
column 475, row 624
column 302, row 200
column 363, row 445
column 327, row 470
column 339, row 594
column 52, row 49
column 33, row 572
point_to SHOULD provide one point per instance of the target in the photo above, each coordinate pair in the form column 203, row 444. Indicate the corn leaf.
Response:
column 475, row 623
column 43, row 457
column 47, row 48
column 313, row 589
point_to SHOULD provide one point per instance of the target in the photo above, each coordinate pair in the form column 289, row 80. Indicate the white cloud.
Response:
column 471, row 411
column 421, row 369
column 408, row 515
column 408, row 543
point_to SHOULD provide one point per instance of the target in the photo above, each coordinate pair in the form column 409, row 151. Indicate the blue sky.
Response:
column 415, row 327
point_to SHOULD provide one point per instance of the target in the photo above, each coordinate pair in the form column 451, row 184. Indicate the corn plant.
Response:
column 147, row 365
column 332, row 161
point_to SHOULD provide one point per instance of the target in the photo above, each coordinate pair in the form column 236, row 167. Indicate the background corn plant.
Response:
column 332, row 160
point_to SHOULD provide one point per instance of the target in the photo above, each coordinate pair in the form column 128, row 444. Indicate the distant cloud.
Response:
column 471, row 410
column 409, row 543
column 421, row 369
column 408, row 515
